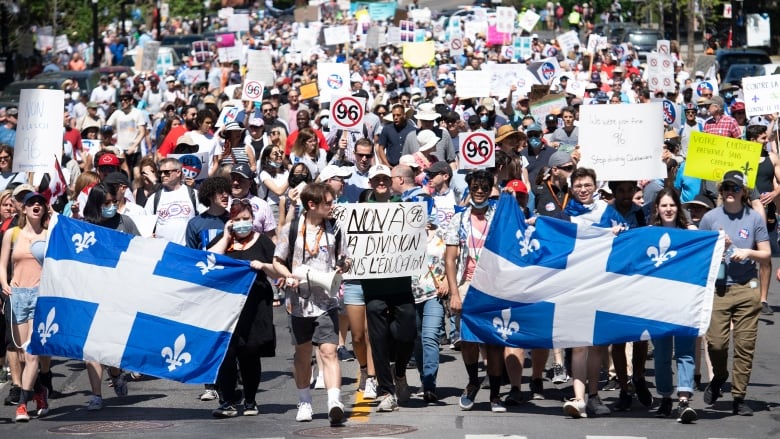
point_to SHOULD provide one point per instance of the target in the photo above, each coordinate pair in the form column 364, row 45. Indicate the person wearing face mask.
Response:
column 728, row 92
column 101, row 209
column 538, row 152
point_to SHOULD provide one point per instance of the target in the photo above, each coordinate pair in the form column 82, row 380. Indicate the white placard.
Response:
column 332, row 79
column 664, row 47
column 761, row 96
column 39, row 130
column 544, row 106
column 456, row 43
column 227, row 115
column 472, row 83
column 225, row 13
column 336, row 35
column 259, row 66
column 472, row 28
column 528, row 20
column 372, row 38
column 660, row 72
column 144, row 223
column 385, row 240
column 194, row 165
column 252, row 90
column 346, row 112
column 593, row 43
column 567, row 41
column 505, row 19
column 238, row 23
column 192, row 76
column 393, row 35
column 149, row 58
column 504, row 76
column 622, row 142
column 758, row 30
column 577, row 88
column 229, row 54
column 61, row 43
column 477, row 149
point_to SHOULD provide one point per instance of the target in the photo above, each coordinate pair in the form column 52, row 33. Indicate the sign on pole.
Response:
column 710, row 156
column 332, row 79
column 386, row 240
column 346, row 112
column 623, row 142
column 194, row 165
column 477, row 150
column 39, row 130
column 761, row 95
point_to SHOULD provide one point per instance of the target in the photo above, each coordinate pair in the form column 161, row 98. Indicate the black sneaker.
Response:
column 430, row 397
column 665, row 409
column 625, row 400
column 537, row 389
column 713, row 391
column 344, row 354
column 612, row 384
column 227, row 410
column 697, row 382
column 766, row 309
column 13, row 395
column 740, row 407
column 685, row 414
column 643, row 393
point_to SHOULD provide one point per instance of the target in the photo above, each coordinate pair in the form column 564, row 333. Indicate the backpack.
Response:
column 293, row 236
column 159, row 191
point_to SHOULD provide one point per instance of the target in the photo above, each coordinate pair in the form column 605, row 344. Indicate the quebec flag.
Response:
column 142, row 304
column 559, row 284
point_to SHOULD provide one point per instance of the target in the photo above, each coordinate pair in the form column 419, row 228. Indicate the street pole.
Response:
column 96, row 52
column 122, row 17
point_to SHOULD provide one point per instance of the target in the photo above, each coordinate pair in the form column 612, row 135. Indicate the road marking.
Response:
column 361, row 408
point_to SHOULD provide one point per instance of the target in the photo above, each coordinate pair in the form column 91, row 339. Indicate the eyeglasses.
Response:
column 384, row 181
column 406, row 101
column 267, row 110
column 275, row 133
column 567, row 168
column 5, row 158
column 125, row 99
column 731, row 188
column 167, row 171
column 584, row 186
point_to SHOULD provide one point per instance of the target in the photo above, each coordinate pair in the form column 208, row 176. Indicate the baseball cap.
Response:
column 186, row 139
column 701, row 200
column 331, row 171
column 488, row 104
column 33, row 196
column 517, row 186
column 717, row 100
column 241, row 169
column 738, row 106
column 108, row 159
column 735, row 177
column 379, row 170
column 438, row 168
column 21, row 189
column 559, row 158
column 408, row 160
column 256, row 121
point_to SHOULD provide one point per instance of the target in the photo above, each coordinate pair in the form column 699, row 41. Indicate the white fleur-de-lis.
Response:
column 503, row 325
column 83, row 241
column 176, row 357
column 47, row 329
column 661, row 254
column 210, row 264
column 527, row 245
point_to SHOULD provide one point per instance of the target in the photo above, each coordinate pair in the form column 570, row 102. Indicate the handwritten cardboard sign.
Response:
column 39, row 130
column 623, row 142
column 385, row 240
column 710, row 156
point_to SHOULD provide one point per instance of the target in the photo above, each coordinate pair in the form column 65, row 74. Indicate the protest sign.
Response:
column 259, row 67
column 622, row 142
column 660, row 72
column 567, row 41
column 39, row 130
column 542, row 107
column 229, row 54
column 192, row 76
column 201, row 51
column 576, row 88
column 456, row 43
column 505, row 19
column 223, row 13
column 225, row 40
column 545, row 70
column 307, row 13
column 372, row 38
column 386, row 240
column 309, row 90
column 523, row 47
column 663, row 47
column 504, row 76
column 710, row 156
column 759, row 30
column 418, row 54
column 238, row 23
column 496, row 38
column 336, row 35
column 332, row 78
column 477, row 149
column 346, row 112
column 194, row 165
column 227, row 115
column 761, row 95
column 472, row 83
column 149, row 58
column 528, row 20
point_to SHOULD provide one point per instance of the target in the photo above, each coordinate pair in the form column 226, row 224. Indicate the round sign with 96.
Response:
column 477, row 150
column 253, row 91
column 346, row 112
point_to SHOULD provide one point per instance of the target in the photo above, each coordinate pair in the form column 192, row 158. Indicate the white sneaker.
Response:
column 336, row 412
column 370, row 391
column 304, row 412
column 575, row 408
column 596, row 407
column 320, row 383
column 95, row 404
column 209, row 395
column 387, row 404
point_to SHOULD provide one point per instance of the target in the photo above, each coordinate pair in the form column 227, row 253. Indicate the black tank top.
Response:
column 765, row 176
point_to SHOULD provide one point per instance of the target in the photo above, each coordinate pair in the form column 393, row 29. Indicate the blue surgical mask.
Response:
column 728, row 96
column 108, row 212
column 483, row 119
column 481, row 205
column 274, row 164
column 242, row 228
column 535, row 142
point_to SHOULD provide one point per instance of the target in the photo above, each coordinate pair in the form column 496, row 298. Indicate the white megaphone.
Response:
column 313, row 278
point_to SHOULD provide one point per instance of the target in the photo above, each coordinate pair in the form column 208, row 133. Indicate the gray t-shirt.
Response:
column 745, row 229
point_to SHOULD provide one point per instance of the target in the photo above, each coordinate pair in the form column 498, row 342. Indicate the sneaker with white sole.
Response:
column 370, row 391
column 304, row 412
column 496, row 406
column 466, row 401
column 95, row 404
column 388, row 403
column 21, row 413
column 250, row 409
column 596, row 407
column 575, row 408
column 559, row 374
column 335, row 412
column 209, row 395
column 41, row 402
column 227, row 410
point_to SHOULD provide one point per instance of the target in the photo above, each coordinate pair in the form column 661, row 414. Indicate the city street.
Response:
column 157, row 408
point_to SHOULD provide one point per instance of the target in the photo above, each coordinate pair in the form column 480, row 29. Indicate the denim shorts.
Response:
column 353, row 293
column 23, row 302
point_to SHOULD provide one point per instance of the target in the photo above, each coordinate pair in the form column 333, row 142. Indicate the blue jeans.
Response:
column 684, row 350
column 430, row 325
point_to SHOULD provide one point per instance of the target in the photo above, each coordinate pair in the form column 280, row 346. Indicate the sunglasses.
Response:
column 480, row 187
column 239, row 202
column 690, row 111
column 567, row 168
column 731, row 188
column 167, row 171
column 363, row 156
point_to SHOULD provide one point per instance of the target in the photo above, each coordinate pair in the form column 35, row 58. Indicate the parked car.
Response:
column 11, row 93
column 643, row 40
column 725, row 58
column 86, row 79
column 738, row 71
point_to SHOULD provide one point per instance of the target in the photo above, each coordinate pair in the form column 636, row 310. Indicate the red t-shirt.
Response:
column 169, row 143
column 294, row 135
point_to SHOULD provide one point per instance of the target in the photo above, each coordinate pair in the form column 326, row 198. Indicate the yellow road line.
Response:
column 361, row 408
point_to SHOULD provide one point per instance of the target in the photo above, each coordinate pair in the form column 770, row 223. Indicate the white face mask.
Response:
column 242, row 228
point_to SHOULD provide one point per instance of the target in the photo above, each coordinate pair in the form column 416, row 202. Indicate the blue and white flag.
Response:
column 559, row 284
column 142, row 304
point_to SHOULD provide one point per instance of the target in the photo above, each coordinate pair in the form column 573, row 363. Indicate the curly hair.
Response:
column 212, row 186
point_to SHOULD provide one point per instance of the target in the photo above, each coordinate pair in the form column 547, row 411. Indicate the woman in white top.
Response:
column 273, row 177
column 306, row 149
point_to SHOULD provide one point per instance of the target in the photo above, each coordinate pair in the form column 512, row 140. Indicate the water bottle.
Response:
column 720, row 281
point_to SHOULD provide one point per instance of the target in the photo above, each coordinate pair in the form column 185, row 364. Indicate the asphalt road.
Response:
column 157, row 408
